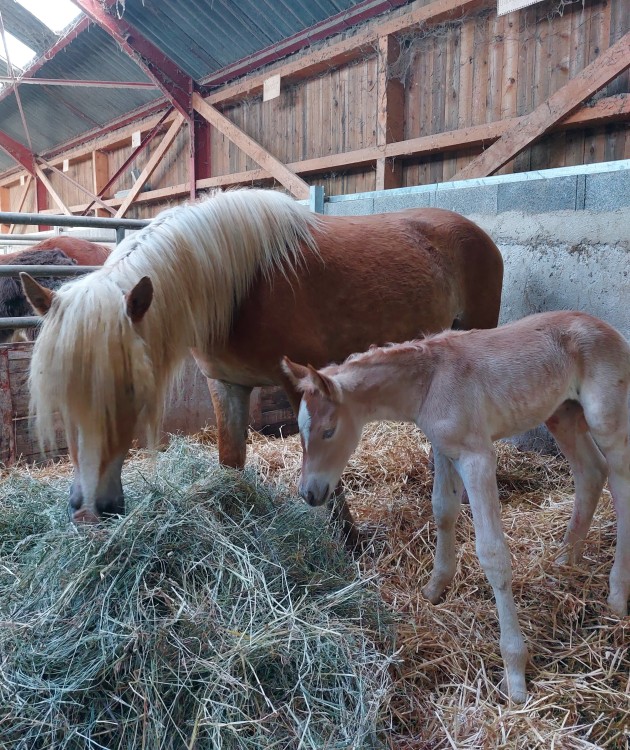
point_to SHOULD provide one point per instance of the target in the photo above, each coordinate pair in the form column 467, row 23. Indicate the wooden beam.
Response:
column 76, row 184
column 151, row 165
column 390, row 116
column 51, row 190
column 5, row 205
column 22, row 199
column 294, row 184
column 100, row 177
column 340, row 53
column 601, row 71
column 611, row 109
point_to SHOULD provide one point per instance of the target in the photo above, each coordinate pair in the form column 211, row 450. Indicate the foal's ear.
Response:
column 139, row 299
column 39, row 296
column 325, row 385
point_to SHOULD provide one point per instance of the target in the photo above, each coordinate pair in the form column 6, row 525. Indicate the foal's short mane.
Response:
column 202, row 259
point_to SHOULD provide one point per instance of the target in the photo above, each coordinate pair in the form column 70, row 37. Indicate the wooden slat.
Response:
column 51, row 190
column 151, row 165
column 341, row 53
column 296, row 186
column 390, row 113
column 611, row 62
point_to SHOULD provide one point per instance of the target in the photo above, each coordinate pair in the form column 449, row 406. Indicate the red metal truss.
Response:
column 17, row 151
column 169, row 77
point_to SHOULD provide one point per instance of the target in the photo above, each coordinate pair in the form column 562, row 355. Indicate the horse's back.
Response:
column 84, row 252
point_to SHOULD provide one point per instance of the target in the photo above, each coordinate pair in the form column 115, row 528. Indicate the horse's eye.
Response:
column 327, row 434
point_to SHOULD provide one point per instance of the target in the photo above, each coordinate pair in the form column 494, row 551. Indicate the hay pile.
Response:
column 445, row 688
column 105, row 631
column 212, row 616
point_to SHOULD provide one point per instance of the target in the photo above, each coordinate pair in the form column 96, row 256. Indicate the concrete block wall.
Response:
column 564, row 235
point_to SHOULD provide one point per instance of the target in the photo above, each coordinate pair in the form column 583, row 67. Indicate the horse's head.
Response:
column 329, row 430
column 89, row 365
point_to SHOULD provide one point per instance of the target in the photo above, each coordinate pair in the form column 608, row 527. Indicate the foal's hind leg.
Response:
column 569, row 428
column 478, row 471
column 231, row 409
column 446, row 501
column 609, row 426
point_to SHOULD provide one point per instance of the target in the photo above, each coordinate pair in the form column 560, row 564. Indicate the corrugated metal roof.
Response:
column 201, row 37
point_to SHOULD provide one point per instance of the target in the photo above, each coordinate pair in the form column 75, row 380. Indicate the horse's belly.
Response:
column 231, row 369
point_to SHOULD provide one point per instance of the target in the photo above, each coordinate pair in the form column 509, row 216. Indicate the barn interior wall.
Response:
column 477, row 70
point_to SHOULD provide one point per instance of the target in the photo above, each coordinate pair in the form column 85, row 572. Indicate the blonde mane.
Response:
column 202, row 259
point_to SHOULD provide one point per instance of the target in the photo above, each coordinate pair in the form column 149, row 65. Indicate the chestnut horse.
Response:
column 83, row 252
column 60, row 250
column 240, row 279
column 465, row 390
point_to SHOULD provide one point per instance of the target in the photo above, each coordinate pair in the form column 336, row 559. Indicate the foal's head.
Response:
column 329, row 429
column 89, row 365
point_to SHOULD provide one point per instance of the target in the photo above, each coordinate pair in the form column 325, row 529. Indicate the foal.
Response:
column 465, row 390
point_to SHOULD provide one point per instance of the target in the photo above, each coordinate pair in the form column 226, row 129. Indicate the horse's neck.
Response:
column 392, row 385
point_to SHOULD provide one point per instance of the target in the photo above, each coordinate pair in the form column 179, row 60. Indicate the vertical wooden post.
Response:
column 5, row 205
column 100, row 177
column 390, row 115
column 41, row 201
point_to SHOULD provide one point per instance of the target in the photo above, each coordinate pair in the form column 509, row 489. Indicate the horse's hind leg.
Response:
column 569, row 428
column 231, row 409
column 609, row 426
column 446, row 501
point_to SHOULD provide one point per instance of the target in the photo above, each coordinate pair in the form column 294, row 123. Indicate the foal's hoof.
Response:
column 517, row 693
column 618, row 604
column 433, row 593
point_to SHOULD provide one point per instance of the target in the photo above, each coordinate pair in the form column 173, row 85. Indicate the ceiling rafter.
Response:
column 18, row 152
column 172, row 81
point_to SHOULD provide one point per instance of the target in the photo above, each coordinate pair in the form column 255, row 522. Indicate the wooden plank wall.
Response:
column 477, row 70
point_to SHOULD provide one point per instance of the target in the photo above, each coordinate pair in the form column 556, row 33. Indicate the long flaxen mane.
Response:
column 202, row 259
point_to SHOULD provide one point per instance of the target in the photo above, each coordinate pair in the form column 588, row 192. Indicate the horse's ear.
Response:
column 297, row 374
column 139, row 299
column 39, row 296
column 325, row 385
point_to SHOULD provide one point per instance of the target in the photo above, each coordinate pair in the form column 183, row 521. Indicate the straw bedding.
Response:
column 196, row 623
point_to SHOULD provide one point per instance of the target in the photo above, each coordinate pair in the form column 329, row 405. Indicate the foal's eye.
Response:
column 327, row 434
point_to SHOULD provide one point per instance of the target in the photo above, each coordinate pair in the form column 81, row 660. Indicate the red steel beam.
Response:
column 17, row 151
column 171, row 80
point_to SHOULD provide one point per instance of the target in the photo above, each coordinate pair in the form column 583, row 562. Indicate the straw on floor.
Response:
column 432, row 683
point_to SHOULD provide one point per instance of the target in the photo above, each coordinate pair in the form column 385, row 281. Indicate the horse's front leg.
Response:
column 231, row 410
column 341, row 517
column 446, row 502
column 478, row 472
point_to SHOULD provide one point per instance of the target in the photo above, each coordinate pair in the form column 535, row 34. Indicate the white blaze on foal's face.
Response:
column 329, row 435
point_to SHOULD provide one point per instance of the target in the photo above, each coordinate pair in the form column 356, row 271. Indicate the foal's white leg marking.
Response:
column 609, row 426
column 478, row 471
column 589, row 475
column 304, row 422
column 446, row 501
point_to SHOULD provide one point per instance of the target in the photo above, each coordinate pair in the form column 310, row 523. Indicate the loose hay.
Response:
column 212, row 616
column 439, row 691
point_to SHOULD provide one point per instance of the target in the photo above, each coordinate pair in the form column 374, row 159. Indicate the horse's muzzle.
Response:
column 317, row 498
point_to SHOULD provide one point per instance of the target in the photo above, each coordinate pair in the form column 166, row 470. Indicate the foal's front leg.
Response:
column 478, row 471
column 446, row 502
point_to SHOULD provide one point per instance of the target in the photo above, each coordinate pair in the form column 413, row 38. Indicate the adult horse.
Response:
column 60, row 250
column 83, row 252
column 241, row 279
column 13, row 303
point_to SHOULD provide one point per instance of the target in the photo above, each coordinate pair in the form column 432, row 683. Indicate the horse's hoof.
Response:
column 432, row 594
column 515, row 692
column 618, row 604
column 85, row 516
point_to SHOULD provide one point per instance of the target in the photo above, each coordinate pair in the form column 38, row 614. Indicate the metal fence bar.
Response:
column 25, row 322
column 47, row 270
column 56, row 220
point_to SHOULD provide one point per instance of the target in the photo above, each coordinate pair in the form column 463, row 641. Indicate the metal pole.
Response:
column 14, row 270
column 56, row 220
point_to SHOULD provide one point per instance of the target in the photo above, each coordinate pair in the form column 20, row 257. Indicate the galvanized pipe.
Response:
column 25, row 322
column 47, row 270
column 57, row 220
